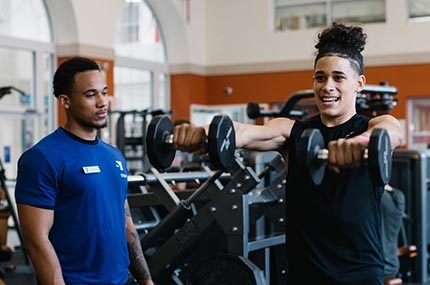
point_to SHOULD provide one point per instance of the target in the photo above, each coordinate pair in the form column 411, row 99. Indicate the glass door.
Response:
column 419, row 123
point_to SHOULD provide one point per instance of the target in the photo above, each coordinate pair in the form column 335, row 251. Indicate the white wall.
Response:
column 230, row 36
column 240, row 32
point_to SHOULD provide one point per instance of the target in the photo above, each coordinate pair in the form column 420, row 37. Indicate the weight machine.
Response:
column 237, row 227
column 131, row 135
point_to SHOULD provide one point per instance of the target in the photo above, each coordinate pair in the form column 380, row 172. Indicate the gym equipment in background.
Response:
column 300, row 105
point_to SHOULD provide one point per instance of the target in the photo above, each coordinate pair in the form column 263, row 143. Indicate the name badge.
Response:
column 91, row 169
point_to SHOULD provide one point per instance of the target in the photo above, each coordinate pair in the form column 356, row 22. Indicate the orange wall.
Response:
column 410, row 81
column 186, row 89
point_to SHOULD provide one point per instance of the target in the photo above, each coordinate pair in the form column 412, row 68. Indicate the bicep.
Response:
column 271, row 136
column 34, row 222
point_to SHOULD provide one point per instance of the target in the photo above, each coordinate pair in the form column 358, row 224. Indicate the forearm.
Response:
column 35, row 225
column 271, row 136
column 138, row 265
column 46, row 264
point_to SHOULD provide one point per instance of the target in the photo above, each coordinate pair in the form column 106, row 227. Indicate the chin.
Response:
column 328, row 114
column 102, row 126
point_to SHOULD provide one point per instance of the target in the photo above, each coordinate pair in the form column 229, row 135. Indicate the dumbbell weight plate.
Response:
column 160, row 153
column 253, row 110
column 379, row 157
column 221, row 142
column 310, row 143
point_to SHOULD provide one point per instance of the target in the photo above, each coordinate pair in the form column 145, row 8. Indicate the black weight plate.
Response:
column 221, row 141
column 226, row 270
column 311, row 142
column 253, row 110
column 160, row 153
column 379, row 157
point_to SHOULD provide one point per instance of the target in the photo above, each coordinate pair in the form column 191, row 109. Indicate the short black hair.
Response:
column 344, row 41
column 64, row 77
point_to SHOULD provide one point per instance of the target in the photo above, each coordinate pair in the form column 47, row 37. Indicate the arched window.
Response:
column 26, row 54
column 140, row 74
column 140, row 79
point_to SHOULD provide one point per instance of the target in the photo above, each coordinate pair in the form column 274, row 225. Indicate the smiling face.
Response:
column 335, row 84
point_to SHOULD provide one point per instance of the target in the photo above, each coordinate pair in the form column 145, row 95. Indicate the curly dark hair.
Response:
column 344, row 41
column 64, row 77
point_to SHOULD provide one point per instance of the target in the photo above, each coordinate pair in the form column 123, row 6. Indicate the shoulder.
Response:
column 311, row 122
column 361, row 118
column 110, row 148
column 383, row 118
column 358, row 123
column 46, row 146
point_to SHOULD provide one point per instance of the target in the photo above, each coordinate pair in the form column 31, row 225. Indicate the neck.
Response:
column 88, row 134
column 335, row 121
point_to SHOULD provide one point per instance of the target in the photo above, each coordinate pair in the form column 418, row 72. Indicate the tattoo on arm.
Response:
column 127, row 211
column 138, row 265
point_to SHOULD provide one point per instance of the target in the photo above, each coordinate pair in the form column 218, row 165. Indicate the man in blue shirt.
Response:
column 71, row 192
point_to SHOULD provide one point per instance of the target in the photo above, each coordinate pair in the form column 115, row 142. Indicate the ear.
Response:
column 361, row 81
column 64, row 101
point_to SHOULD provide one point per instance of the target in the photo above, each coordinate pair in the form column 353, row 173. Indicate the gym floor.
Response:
column 18, row 272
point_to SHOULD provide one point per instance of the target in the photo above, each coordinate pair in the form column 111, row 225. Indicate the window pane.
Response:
column 294, row 14
column 295, row 17
column 27, row 111
column 140, row 80
column 359, row 11
column 132, row 89
column 138, row 35
column 162, row 98
column 25, row 19
column 49, row 101
column 19, row 76
column 16, row 106
column 419, row 9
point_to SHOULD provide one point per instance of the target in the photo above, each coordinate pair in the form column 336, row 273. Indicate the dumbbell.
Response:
column 221, row 142
column 377, row 155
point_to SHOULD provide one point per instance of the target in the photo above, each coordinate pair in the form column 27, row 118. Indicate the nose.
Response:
column 102, row 99
column 328, row 84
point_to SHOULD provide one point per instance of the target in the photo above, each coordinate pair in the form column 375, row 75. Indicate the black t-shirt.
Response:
column 333, row 230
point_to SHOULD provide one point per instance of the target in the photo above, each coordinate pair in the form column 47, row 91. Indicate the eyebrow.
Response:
column 334, row 72
column 95, row 90
column 338, row 72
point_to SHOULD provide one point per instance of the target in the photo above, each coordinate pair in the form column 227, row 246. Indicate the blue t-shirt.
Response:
column 85, row 184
